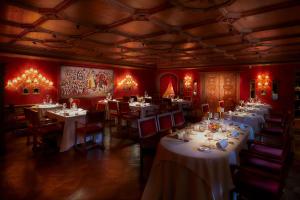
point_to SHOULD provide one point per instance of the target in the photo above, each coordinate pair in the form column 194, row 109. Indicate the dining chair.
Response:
column 93, row 126
column 113, row 113
column 76, row 102
column 252, row 184
column 148, row 100
column 263, row 164
column 44, row 132
column 134, row 97
column 205, row 108
column 149, row 138
column 165, row 123
column 126, row 98
column 128, row 115
column 187, row 98
column 178, row 120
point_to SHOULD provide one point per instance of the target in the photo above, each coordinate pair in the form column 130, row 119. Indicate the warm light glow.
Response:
column 127, row 82
column 29, row 79
column 188, row 81
column 263, row 81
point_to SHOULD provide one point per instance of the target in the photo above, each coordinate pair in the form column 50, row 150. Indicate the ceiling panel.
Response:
column 159, row 32
column 143, row 4
column 16, row 14
column 177, row 17
column 99, row 12
column 138, row 28
column 41, row 4
column 107, row 37
column 64, row 27
column 10, row 29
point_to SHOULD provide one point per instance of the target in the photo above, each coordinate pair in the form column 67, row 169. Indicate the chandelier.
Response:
column 127, row 83
column 30, row 79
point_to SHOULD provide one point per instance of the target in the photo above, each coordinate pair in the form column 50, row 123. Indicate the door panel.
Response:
column 220, row 86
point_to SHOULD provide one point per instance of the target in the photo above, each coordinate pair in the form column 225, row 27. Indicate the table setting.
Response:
column 252, row 119
column 69, row 116
column 205, row 149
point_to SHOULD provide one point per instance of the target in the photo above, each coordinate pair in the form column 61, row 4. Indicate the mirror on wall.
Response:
column 252, row 89
column 275, row 89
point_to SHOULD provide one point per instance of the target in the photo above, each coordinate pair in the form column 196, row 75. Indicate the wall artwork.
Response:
column 85, row 82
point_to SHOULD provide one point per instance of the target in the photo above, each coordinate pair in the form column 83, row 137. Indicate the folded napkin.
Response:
column 222, row 144
column 230, row 112
column 242, row 126
column 235, row 133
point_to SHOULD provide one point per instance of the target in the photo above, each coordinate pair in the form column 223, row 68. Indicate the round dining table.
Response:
column 195, row 168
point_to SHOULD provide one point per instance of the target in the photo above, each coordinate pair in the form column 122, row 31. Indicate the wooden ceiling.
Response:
column 154, row 33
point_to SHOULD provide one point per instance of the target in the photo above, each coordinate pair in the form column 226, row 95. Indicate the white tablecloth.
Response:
column 43, row 108
column 181, row 171
column 259, row 105
column 182, row 103
column 144, row 108
column 68, row 137
column 252, row 119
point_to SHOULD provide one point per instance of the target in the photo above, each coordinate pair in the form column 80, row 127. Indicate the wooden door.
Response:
column 220, row 86
column 228, row 89
column 212, row 89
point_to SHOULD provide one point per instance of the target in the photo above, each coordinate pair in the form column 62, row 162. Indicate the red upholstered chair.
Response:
column 127, row 114
column 277, row 151
column 263, row 164
column 252, row 184
column 221, row 104
column 178, row 119
column 205, row 108
column 126, row 98
column 75, row 101
column 113, row 113
column 165, row 123
column 94, row 125
column 149, row 138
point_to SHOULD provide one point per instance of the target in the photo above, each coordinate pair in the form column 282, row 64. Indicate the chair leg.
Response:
column 141, row 164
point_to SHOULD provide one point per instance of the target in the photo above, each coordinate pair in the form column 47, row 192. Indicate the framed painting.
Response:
column 85, row 82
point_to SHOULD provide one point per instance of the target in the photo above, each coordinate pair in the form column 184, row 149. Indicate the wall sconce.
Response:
column 188, row 81
column 127, row 83
column 31, row 78
column 263, row 82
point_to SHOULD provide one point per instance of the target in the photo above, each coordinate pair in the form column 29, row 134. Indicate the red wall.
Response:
column 194, row 73
column 51, row 69
column 285, row 74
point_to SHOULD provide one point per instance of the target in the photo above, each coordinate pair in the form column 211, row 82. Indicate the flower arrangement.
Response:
column 214, row 127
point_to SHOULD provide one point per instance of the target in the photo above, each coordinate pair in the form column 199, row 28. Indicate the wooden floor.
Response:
column 110, row 174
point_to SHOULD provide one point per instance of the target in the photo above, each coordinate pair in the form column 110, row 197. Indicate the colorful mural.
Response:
column 85, row 82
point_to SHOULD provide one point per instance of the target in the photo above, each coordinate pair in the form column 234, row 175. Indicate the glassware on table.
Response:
column 216, row 116
column 50, row 101
column 44, row 101
column 64, row 106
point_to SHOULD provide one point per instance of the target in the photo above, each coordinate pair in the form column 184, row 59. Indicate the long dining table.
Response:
column 197, row 168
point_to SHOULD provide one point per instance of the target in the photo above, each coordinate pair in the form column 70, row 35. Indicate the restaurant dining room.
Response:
column 150, row 99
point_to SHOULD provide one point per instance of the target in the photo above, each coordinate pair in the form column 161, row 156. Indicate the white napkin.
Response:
column 222, row 144
column 222, row 109
column 242, row 126
column 235, row 133
column 230, row 112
